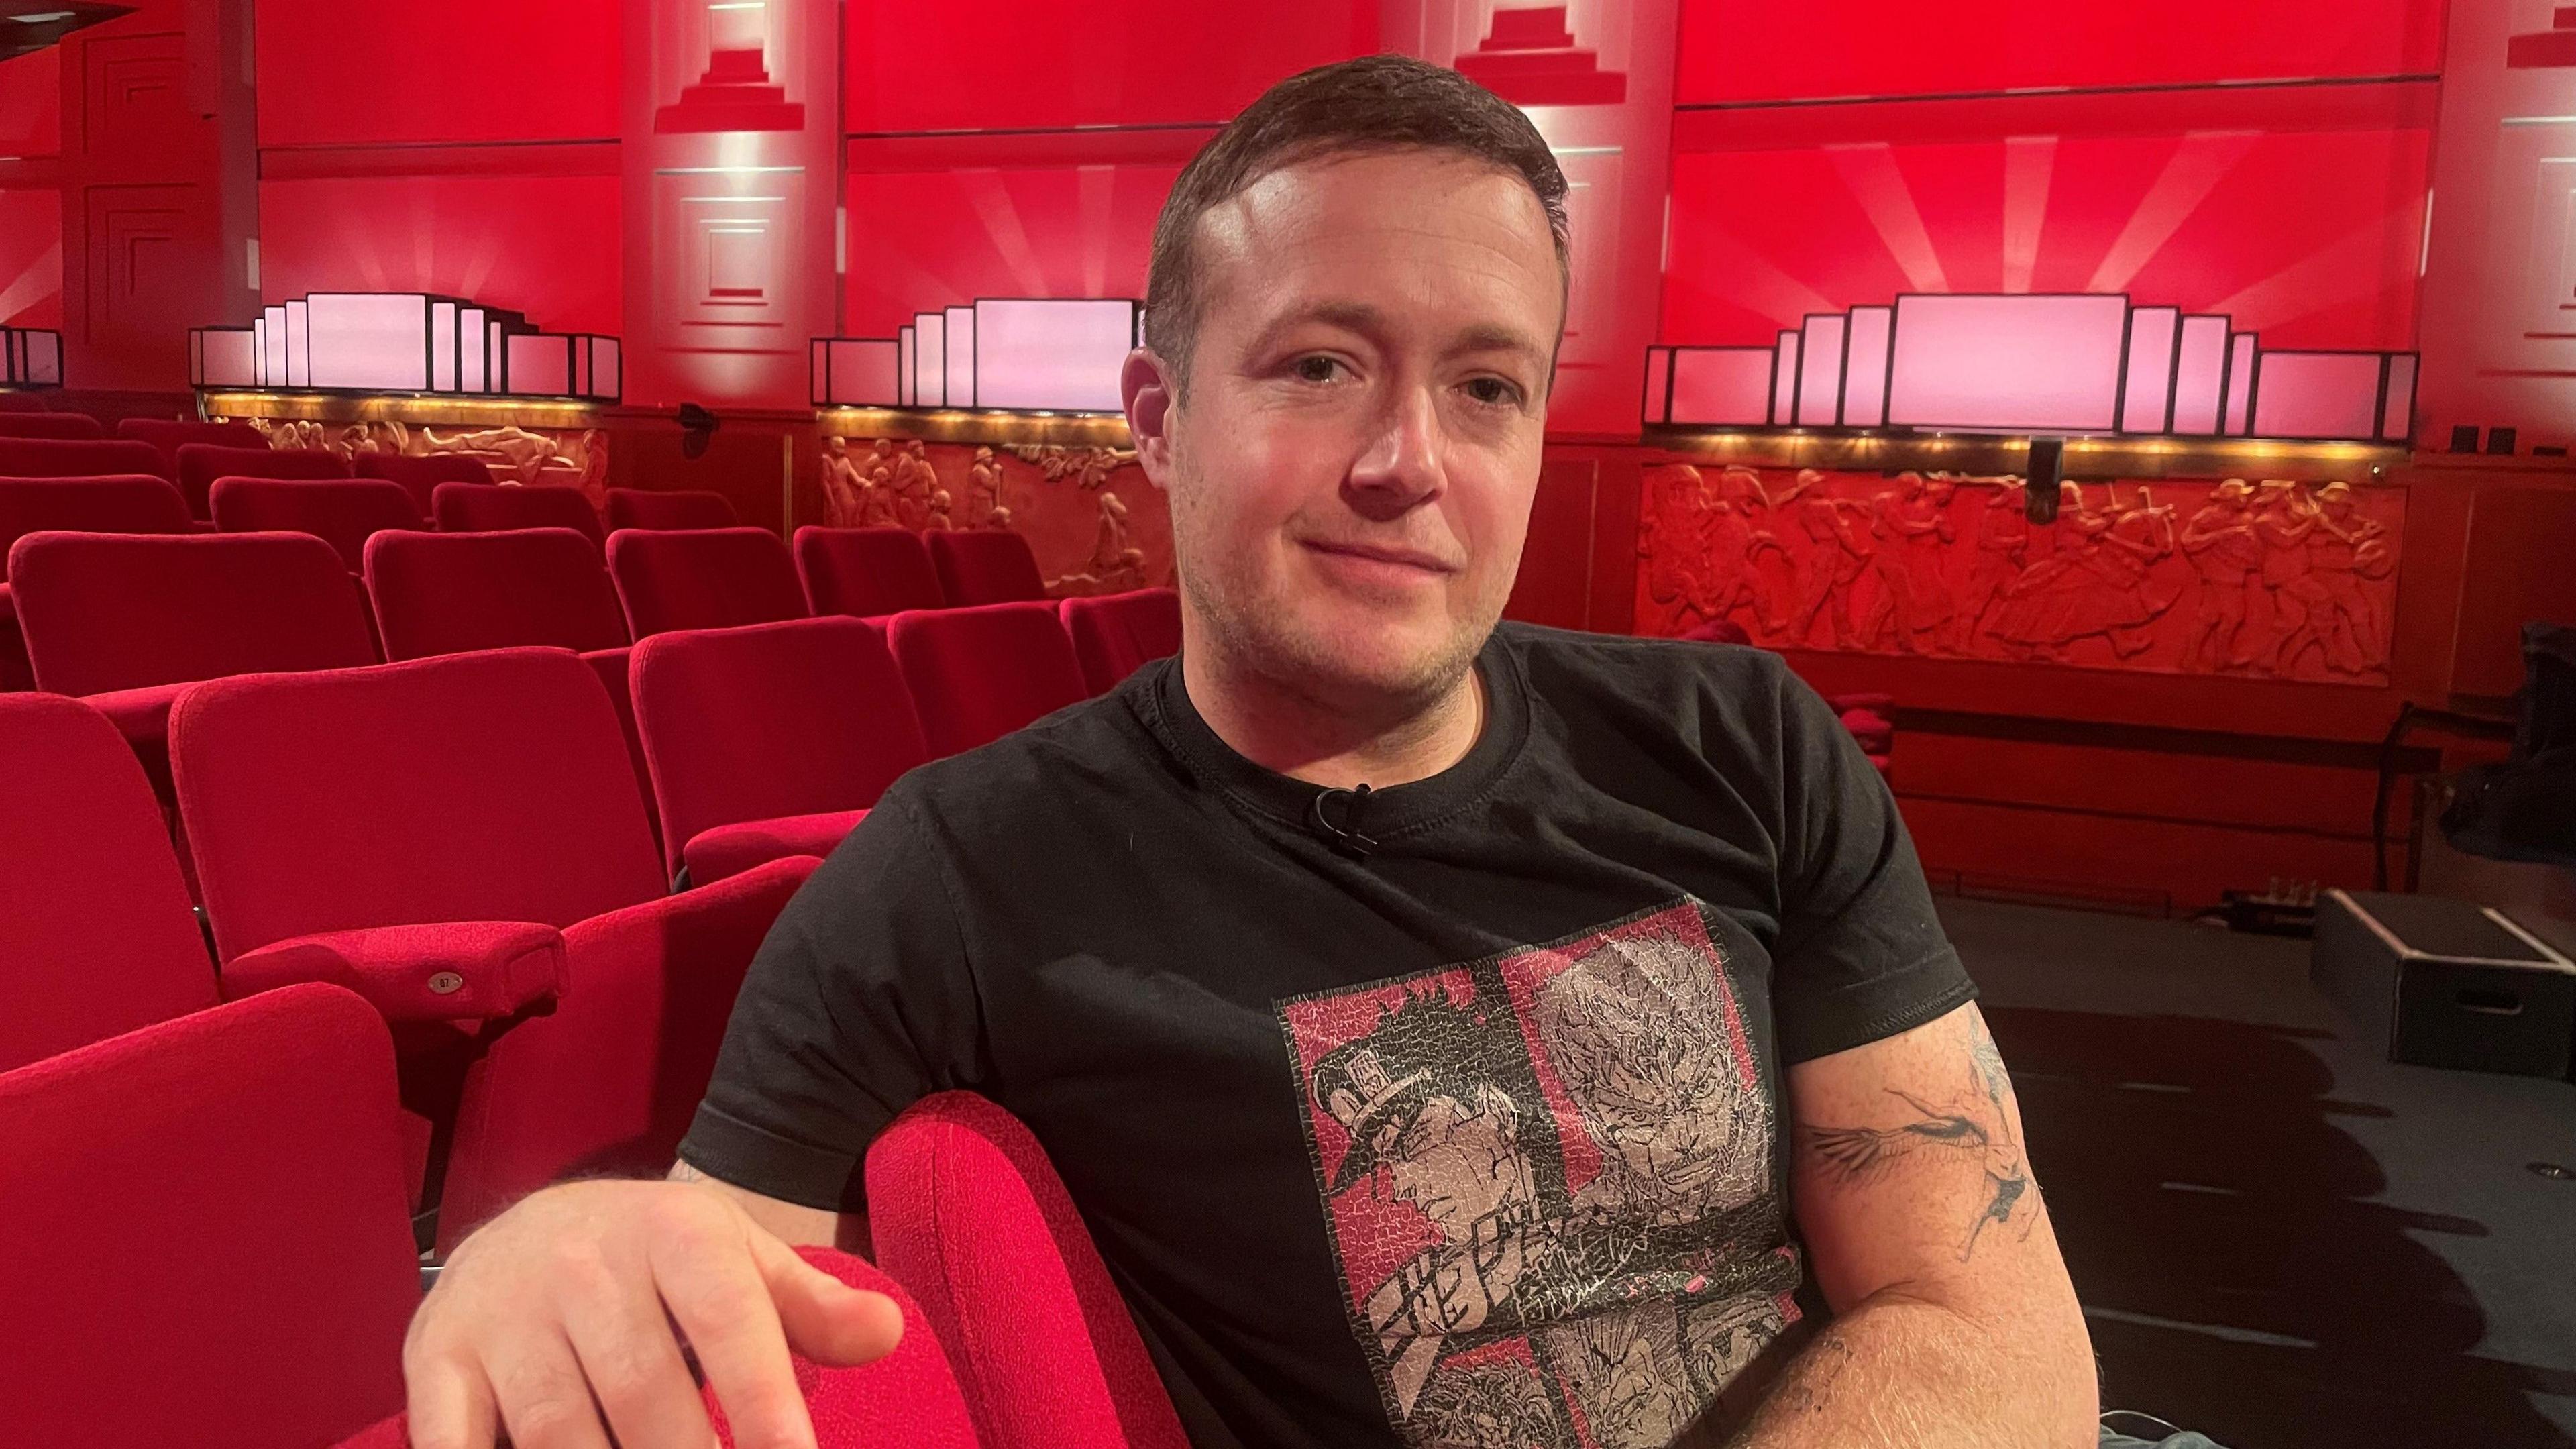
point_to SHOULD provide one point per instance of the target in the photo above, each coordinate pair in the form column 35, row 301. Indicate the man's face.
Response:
column 1459, row 1163
column 1352, row 461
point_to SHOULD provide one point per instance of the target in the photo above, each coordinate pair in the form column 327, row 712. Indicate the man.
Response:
column 2223, row 550
column 1417, row 1010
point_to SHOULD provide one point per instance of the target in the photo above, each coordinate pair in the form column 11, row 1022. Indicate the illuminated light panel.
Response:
column 1865, row 367
column 540, row 364
column 1722, row 386
column 2240, row 384
column 272, row 346
column 2011, row 363
column 2144, row 401
column 299, row 343
column 1659, row 384
column 368, row 342
column 1784, row 379
column 224, row 358
column 903, row 370
column 1820, row 372
column 930, row 359
column 2200, row 376
column 959, row 342
column 442, row 346
column 1063, row 354
column 473, row 359
column 2317, row 394
column 856, row 372
column 2397, row 413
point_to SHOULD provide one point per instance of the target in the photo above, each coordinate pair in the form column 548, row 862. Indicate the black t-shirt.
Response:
column 1475, row 1138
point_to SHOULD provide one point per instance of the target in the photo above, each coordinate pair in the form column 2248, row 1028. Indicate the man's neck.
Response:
column 1331, row 742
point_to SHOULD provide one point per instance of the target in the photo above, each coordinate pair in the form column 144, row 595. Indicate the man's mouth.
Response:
column 1374, row 557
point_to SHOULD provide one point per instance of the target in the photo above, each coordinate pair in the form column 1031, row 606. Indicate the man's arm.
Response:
column 1954, row 1323
column 794, row 1224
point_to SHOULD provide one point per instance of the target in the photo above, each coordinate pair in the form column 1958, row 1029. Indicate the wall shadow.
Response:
column 2235, row 1283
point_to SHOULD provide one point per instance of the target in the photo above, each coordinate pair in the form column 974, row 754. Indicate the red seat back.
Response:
column 120, row 611
column 134, row 503
column 342, row 512
column 866, row 572
column 978, row 674
column 450, row 593
column 703, row 578
column 1114, row 635
column 967, row 1212
column 491, row 507
column 674, row 508
column 420, row 476
column 909, row 1398
column 208, row 1238
column 80, row 458
column 96, row 933
column 770, row 720
column 169, row 435
column 200, row 464
column 985, row 566
column 50, row 425
column 471, row 787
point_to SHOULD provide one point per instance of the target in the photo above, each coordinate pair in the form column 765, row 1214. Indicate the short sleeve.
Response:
column 1861, row 955
column 859, row 1003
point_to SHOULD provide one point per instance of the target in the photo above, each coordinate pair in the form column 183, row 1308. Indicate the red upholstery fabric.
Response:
column 673, row 508
column 489, row 969
column 729, row 850
column 126, row 503
column 967, row 1212
column 207, row 1238
column 472, row 787
column 986, row 566
column 790, row 719
column 169, row 435
column 703, row 578
column 609, row 1081
column 866, row 572
column 977, row 674
column 906, row 1400
column 1718, row 631
column 1114, row 635
column 420, row 476
column 488, row 507
column 108, row 612
column 51, row 425
column 342, row 512
column 200, row 464
column 612, row 666
column 450, row 593
column 96, row 934
column 81, row 458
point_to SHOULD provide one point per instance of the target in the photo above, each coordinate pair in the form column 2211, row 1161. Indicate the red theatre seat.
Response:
column 909, row 1398
column 96, row 933
column 977, row 674
column 50, row 425
column 491, row 507
column 986, row 566
column 208, row 1242
column 342, row 512
column 422, row 475
column 967, row 1212
column 169, row 435
column 769, row 740
column 130, row 621
column 135, row 504
column 677, row 508
column 81, row 458
column 452, row 593
column 472, row 821
column 200, row 464
column 703, row 578
column 1114, row 635
column 866, row 572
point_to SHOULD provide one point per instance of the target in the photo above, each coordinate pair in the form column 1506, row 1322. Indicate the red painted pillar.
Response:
column 731, row 149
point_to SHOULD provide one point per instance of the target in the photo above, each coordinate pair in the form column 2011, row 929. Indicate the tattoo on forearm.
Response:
column 1973, row 1124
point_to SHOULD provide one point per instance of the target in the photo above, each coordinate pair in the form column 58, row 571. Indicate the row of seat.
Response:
column 216, row 1255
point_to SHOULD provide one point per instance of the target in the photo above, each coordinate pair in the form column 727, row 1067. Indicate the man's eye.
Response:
column 1493, row 392
column 1317, row 369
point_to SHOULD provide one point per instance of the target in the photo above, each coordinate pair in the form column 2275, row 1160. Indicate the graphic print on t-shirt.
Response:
column 1548, row 1180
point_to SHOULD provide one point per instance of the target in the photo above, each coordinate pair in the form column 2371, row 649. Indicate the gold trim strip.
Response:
column 2086, row 458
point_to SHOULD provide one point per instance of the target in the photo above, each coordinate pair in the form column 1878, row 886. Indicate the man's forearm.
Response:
column 1903, row 1373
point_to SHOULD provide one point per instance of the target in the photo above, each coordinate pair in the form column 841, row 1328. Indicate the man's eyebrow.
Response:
column 1363, row 318
column 1493, row 337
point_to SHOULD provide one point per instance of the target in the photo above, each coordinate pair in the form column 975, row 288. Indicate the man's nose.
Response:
column 1400, row 468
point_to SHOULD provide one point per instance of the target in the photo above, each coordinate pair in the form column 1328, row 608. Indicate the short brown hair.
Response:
column 1374, row 103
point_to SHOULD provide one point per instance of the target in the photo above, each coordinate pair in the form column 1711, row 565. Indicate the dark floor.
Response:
column 2280, row 1238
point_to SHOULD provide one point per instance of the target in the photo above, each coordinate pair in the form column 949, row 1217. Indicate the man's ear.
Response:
column 1150, row 393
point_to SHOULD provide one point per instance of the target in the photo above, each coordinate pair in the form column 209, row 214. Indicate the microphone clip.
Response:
column 1345, row 837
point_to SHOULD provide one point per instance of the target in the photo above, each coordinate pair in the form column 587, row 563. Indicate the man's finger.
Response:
column 629, row 1355
column 544, row 1399
column 826, row 1319
column 716, row 1295
column 450, row 1407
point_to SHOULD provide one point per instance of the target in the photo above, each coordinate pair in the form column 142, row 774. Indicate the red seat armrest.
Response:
column 450, row 971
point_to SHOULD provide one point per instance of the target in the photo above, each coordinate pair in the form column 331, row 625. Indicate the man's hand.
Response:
column 562, row 1321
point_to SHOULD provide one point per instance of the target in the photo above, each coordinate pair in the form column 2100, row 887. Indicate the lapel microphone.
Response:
column 1346, row 837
